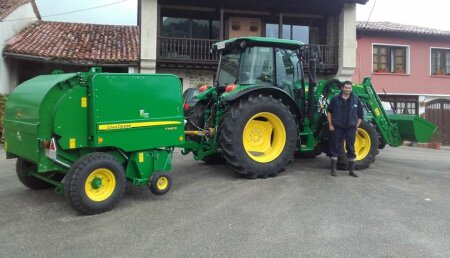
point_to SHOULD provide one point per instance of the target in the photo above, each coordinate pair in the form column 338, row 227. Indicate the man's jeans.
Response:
column 337, row 136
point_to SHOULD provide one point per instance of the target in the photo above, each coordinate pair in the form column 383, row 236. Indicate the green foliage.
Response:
column 3, row 99
column 437, row 136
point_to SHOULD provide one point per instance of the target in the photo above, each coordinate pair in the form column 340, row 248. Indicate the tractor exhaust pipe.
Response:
column 312, row 86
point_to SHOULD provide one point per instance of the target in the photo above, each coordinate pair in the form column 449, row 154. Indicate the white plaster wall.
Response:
column 149, row 34
column 347, row 42
column 8, row 71
column 191, row 78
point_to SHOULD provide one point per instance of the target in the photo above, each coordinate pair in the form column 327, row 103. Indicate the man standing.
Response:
column 344, row 114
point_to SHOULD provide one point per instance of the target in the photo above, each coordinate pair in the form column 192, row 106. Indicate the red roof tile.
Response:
column 399, row 28
column 8, row 6
column 77, row 43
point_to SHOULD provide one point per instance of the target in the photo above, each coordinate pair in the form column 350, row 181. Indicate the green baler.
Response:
column 97, row 131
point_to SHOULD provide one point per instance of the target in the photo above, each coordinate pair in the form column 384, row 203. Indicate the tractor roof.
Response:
column 256, row 41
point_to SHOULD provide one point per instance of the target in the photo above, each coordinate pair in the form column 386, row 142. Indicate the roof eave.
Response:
column 53, row 60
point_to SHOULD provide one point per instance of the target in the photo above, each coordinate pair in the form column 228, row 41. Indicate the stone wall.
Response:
column 191, row 78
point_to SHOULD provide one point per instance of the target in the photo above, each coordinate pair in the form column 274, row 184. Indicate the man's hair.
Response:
column 346, row 83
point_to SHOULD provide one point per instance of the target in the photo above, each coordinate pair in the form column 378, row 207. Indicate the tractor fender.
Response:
column 275, row 92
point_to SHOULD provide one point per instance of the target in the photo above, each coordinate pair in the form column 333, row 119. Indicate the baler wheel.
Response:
column 95, row 183
column 160, row 183
column 23, row 168
column 258, row 136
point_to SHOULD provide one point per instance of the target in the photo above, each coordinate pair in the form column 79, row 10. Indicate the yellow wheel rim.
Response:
column 362, row 144
column 100, row 184
column 162, row 183
column 264, row 137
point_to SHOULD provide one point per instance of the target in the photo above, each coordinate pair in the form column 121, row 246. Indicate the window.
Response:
column 284, row 68
column 190, row 28
column 296, row 32
column 440, row 61
column 390, row 59
column 402, row 104
column 257, row 66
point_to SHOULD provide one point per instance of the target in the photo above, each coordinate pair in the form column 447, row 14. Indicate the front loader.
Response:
column 262, row 111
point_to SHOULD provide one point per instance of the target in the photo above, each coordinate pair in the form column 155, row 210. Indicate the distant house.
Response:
column 411, row 64
column 15, row 15
column 176, row 35
column 45, row 46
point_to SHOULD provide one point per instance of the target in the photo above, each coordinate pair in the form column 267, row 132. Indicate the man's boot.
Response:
column 333, row 166
column 351, row 168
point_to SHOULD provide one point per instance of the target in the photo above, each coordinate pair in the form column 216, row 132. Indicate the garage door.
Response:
column 438, row 112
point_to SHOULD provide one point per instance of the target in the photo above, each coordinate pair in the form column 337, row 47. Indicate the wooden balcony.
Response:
column 186, row 53
column 195, row 54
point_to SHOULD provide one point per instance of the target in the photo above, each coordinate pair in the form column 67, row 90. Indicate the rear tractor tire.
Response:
column 95, row 183
column 23, row 169
column 258, row 136
column 366, row 147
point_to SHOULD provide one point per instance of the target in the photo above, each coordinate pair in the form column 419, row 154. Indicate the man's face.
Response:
column 347, row 89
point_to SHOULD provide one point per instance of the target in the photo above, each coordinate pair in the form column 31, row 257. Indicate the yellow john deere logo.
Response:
column 107, row 127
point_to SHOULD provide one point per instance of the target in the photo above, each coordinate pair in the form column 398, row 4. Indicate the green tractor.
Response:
column 262, row 111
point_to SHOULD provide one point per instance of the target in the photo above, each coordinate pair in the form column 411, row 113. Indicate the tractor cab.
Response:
column 253, row 61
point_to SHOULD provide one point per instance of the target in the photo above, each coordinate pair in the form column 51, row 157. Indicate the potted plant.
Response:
column 381, row 69
column 440, row 72
column 436, row 139
column 399, row 70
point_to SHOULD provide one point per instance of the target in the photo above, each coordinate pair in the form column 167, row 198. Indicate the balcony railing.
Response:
column 197, row 51
column 329, row 58
column 187, row 50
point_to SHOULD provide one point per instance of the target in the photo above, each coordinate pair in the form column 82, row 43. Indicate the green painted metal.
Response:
column 143, row 164
column 137, row 119
column 413, row 128
column 29, row 116
column 136, row 112
column 260, row 41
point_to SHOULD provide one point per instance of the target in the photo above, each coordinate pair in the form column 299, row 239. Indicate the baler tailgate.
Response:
column 22, row 139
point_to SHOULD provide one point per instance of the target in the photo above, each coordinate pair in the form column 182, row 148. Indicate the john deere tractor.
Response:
column 262, row 111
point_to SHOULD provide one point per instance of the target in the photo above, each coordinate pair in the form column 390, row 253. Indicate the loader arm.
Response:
column 394, row 129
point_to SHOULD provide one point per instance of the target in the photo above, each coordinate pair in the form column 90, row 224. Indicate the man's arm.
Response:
column 360, row 114
column 330, row 115
column 330, row 121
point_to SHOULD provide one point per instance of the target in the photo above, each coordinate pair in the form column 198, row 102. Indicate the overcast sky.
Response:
column 430, row 13
column 120, row 12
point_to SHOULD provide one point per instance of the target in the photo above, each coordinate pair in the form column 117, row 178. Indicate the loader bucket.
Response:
column 413, row 128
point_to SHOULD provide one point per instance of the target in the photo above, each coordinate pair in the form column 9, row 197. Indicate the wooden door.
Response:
column 438, row 112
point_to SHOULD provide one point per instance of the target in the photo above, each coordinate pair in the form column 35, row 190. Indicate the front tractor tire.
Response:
column 366, row 147
column 95, row 183
column 258, row 136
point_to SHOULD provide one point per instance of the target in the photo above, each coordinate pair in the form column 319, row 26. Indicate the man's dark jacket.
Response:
column 342, row 119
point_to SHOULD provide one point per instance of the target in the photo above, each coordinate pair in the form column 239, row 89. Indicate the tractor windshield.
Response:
column 256, row 65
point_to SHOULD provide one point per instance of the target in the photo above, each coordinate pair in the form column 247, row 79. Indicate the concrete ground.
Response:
column 399, row 207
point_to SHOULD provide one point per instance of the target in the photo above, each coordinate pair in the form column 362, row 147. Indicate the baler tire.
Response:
column 251, row 112
column 32, row 182
column 76, row 183
column 362, row 162
column 160, row 183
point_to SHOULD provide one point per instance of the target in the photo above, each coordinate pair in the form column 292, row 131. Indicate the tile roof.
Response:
column 399, row 28
column 77, row 43
column 8, row 6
